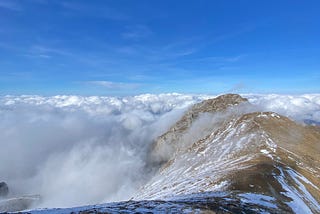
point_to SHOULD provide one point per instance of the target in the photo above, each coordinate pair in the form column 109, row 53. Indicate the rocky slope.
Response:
column 257, row 157
column 179, row 134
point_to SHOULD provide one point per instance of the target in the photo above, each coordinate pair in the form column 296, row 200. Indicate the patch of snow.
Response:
column 262, row 115
column 275, row 115
column 301, row 198
column 263, row 200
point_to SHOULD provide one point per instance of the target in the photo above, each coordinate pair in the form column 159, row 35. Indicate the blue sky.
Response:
column 131, row 47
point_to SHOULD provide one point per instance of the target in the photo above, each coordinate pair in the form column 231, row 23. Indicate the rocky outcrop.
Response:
column 4, row 189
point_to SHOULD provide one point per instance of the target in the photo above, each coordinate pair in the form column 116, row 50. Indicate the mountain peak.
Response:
column 166, row 144
column 219, row 103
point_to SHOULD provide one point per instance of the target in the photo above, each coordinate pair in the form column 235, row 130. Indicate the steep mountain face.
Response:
column 260, row 158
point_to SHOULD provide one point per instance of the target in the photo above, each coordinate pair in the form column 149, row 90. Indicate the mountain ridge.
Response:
column 258, row 146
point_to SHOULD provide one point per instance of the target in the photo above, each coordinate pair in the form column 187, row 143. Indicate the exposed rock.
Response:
column 4, row 189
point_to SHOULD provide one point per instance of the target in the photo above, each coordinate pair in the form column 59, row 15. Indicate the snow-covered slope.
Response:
column 255, row 155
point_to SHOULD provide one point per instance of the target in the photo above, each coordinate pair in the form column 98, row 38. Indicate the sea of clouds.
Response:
column 75, row 150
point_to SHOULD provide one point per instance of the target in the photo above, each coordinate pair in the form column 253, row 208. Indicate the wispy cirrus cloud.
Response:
column 43, row 56
column 101, row 11
column 10, row 5
column 44, row 52
column 158, row 53
column 114, row 85
column 136, row 32
column 218, row 59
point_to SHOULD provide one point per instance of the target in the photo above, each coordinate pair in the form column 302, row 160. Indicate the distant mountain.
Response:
column 224, row 157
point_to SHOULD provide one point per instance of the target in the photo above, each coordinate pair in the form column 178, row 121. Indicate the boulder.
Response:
column 4, row 189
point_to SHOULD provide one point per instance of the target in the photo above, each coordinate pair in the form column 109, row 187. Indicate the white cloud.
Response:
column 79, row 150
column 64, row 146
column 297, row 107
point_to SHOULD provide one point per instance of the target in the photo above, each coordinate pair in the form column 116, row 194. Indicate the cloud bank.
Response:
column 301, row 108
column 75, row 150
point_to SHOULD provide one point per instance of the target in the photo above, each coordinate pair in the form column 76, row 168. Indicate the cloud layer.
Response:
column 76, row 150
column 301, row 108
